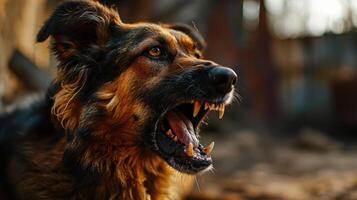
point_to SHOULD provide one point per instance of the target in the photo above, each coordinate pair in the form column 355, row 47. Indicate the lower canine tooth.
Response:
column 189, row 150
column 209, row 148
column 196, row 108
column 169, row 133
column 175, row 138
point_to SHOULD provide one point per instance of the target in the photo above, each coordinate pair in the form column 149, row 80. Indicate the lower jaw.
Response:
column 191, row 170
column 178, row 159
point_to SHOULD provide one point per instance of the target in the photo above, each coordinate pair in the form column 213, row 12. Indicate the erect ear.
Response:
column 76, row 25
column 192, row 32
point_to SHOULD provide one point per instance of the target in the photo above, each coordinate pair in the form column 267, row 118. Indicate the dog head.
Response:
column 132, row 92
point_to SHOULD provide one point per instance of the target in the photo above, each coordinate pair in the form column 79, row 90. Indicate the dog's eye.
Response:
column 155, row 52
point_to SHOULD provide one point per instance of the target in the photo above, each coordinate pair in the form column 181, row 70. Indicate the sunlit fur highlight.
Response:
column 65, row 107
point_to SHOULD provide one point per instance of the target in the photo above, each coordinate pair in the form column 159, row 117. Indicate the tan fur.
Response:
column 65, row 108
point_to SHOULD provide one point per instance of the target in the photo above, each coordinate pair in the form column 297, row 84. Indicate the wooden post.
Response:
column 28, row 72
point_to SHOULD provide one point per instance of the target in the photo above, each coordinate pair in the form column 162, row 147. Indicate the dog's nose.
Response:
column 223, row 78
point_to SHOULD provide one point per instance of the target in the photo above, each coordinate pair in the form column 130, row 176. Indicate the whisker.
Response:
column 197, row 184
column 212, row 170
column 194, row 26
column 178, row 64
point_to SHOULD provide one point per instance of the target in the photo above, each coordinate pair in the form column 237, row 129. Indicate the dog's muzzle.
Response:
column 186, row 98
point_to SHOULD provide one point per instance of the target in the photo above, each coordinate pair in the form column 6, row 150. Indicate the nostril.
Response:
column 207, row 63
column 223, row 78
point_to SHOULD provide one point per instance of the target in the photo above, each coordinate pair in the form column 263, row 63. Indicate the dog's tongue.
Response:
column 182, row 127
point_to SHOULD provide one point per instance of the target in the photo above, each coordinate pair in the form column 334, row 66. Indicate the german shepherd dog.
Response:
column 121, row 118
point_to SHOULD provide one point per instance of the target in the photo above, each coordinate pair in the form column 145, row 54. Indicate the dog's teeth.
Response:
column 211, row 106
column 209, row 148
column 221, row 111
column 189, row 150
column 196, row 108
column 216, row 106
column 207, row 105
column 169, row 133
column 175, row 138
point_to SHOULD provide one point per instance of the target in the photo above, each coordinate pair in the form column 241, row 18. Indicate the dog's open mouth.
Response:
column 177, row 135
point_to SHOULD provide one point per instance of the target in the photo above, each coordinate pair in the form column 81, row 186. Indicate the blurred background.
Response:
column 293, row 133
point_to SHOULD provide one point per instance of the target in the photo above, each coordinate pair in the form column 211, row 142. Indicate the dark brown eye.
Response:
column 155, row 52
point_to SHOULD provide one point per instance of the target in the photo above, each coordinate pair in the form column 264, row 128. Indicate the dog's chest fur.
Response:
column 44, row 176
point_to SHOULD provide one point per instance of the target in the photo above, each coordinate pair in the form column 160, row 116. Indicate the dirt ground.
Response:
column 251, row 166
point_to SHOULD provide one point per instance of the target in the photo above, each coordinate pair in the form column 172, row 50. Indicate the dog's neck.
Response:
column 128, row 173
column 156, row 182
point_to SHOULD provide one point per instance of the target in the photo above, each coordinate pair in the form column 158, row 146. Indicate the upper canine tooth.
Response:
column 209, row 148
column 196, row 108
column 189, row 150
column 221, row 111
